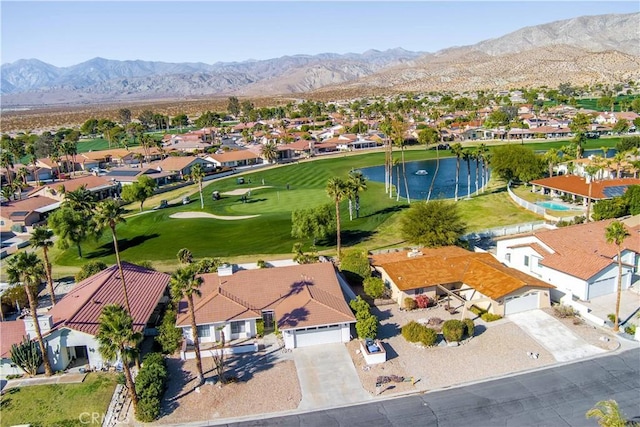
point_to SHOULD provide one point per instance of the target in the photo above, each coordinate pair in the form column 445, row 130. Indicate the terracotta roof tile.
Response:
column 11, row 332
column 176, row 163
column 301, row 296
column 235, row 155
column 574, row 184
column 451, row 264
column 25, row 205
column 81, row 307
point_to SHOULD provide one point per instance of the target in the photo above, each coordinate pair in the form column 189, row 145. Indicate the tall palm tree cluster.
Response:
column 350, row 188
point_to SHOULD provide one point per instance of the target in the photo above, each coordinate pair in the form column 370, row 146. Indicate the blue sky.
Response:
column 67, row 33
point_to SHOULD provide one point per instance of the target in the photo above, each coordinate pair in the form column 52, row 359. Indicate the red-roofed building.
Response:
column 69, row 328
column 304, row 301
column 576, row 259
column 466, row 278
column 11, row 332
column 17, row 214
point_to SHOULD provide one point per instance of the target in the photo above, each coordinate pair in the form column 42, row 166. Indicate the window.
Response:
column 507, row 257
column 204, row 331
column 526, row 260
column 237, row 327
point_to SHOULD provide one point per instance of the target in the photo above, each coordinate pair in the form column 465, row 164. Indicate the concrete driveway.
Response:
column 327, row 377
column 563, row 344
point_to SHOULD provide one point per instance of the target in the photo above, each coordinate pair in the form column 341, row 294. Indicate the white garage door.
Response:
column 517, row 304
column 603, row 287
column 319, row 335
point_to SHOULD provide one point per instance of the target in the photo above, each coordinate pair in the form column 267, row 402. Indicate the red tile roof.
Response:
column 81, row 307
column 582, row 250
column 301, row 296
column 11, row 332
column 235, row 155
column 451, row 264
column 27, row 205
column 574, row 184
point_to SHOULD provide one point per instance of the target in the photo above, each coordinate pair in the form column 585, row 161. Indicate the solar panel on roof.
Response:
column 615, row 190
column 19, row 213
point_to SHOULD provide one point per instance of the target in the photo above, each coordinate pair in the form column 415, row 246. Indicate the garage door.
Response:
column 518, row 304
column 319, row 335
column 603, row 287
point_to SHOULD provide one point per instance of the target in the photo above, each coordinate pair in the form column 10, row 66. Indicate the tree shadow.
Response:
column 387, row 210
column 254, row 200
column 388, row 330
column 391, row 352
column 351, row 237
column 123, row 244
column 178, row 377
column 380, row 313
column 479, row 330
column 293, row 318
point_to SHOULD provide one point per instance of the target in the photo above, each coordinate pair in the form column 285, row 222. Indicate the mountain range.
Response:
column 583, row 50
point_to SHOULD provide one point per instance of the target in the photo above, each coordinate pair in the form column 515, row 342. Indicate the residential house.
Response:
column 100, row 186
column 304, row 302
column 69, row 328
column 126, row 176
column 182, row 165
column 236, row 158
column 12, row 332
column 18, row 214
column 576, row 259
column 577, row 186
column 465, row 277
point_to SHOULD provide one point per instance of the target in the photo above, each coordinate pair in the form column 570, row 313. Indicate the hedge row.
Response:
column 150, row 386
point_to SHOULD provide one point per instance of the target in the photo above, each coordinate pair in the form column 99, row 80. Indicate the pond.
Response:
column 421, row 173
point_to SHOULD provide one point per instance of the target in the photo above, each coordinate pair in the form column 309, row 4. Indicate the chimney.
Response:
column 225, row 270
column 45, row 322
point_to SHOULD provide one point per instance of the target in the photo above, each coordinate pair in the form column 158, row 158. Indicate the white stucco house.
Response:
column 69, row 328
column 304, row 302
column 465, row 278
column 576, row 259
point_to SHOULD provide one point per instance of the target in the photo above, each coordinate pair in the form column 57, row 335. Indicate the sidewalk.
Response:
column 42, row 380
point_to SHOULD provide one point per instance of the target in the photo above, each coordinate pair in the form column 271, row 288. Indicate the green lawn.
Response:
column 58, row 404
column 156, row 237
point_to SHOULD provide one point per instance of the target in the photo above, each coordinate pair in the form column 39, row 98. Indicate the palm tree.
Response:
column 358, row 183
column 618, row 158
column 435, row 173
column 116, row 338
column 27, row 268
column 31, row 151
column 385, row 127
column 467, row 156
column 185, row 256
column 486, row 160
column 197, row 175
column 270, row 152
column 185, row 284
column 7, row 192
column 456, row 149
column 615, row 233
column 337, row 190
column 41, row 238
column 110, row 214
column 552, row 156
column 608, row 414
column 80, row 200
column 6, row 161
column 398, row 129
column 592, row 171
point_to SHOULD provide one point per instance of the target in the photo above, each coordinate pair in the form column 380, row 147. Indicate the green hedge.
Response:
column 150, row 386
column 453, row 330
column 355, row 266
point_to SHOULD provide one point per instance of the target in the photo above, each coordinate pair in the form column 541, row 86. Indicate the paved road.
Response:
column 558, row 396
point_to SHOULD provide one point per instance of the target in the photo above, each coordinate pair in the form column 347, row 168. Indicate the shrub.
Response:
column 355, row 266
column 422, row 301
column 453, row 330
column 169, row 337
column 146, row 264
column 416, row 332
column 477, row 310
column 410, row 304
column 631, row 329
column 563, row 311
column 89, row 269
column 359, row 306
column 261, row 263
column 367, row 326
column 150, row 386
column 27, row 356
column 260, row 328
column 611, row 317
column 374, row 287
column 470, row 328
column 490, row 317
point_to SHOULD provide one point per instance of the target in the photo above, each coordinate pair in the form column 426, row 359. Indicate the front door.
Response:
column 267, row 318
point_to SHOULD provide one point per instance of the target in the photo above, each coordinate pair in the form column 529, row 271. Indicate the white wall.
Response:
column 216, row 329
column 60, row 342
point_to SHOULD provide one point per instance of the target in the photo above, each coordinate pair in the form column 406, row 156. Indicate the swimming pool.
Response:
column 554, row 206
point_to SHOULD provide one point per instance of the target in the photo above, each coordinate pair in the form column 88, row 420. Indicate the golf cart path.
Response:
column 183, row 215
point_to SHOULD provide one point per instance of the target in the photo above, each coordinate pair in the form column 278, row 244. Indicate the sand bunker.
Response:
column 183, row 215
column 241, row 191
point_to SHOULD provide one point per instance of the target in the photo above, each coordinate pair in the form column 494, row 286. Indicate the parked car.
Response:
column 186, row 200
